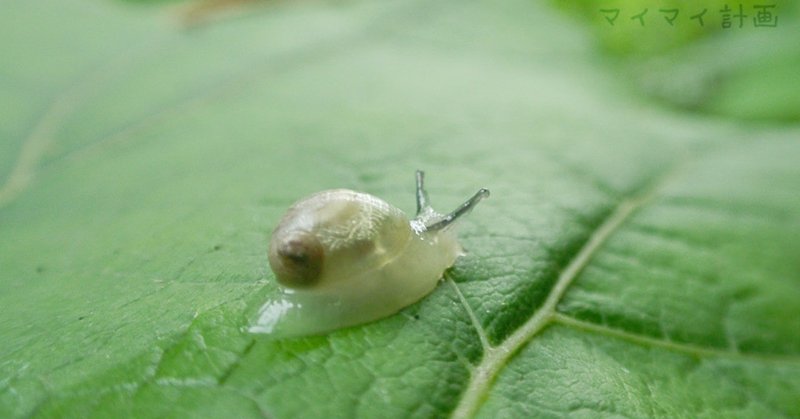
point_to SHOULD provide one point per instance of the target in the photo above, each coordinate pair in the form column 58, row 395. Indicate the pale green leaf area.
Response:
column 632, row 261
column 747, row 70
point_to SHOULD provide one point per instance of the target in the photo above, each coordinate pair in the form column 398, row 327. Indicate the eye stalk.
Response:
column 296, row 259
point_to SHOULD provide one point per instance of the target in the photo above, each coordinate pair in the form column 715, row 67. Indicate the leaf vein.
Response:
column 497, row 357
column 686, row 348
column 485, row 345
column 41, row 136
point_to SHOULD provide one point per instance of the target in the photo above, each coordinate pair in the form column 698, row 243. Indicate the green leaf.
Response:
column 746, row 71
column 631, row 261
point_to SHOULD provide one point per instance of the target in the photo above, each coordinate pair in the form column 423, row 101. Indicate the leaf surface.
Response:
column 631, row 261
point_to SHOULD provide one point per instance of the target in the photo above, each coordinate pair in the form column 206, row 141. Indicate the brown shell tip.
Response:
column 296, row 259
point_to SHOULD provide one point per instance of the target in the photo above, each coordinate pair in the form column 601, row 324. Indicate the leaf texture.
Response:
column 632, row 261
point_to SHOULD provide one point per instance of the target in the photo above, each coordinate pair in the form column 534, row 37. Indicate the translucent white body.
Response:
column 376, row 261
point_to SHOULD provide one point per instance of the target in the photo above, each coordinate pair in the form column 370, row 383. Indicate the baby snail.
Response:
column 343, row 258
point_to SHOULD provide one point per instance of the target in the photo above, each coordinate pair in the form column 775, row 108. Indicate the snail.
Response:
column 343, row 258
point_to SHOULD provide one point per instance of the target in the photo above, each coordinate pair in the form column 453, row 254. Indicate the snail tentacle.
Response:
column 463, row 209
column 423, row 202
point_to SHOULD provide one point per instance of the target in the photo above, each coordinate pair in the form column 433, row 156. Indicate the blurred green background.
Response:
column 743, row 71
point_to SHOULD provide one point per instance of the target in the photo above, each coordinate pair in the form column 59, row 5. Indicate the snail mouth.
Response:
column 297, row 260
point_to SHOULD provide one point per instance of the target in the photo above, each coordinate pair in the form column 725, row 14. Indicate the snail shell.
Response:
column 344, row 258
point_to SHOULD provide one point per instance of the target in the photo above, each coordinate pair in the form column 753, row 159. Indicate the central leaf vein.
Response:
column 495, row 358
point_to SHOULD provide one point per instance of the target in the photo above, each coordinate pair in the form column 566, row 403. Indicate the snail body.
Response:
column 344, row 258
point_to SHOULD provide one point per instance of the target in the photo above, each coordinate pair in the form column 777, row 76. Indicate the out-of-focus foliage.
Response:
column 747, row 73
